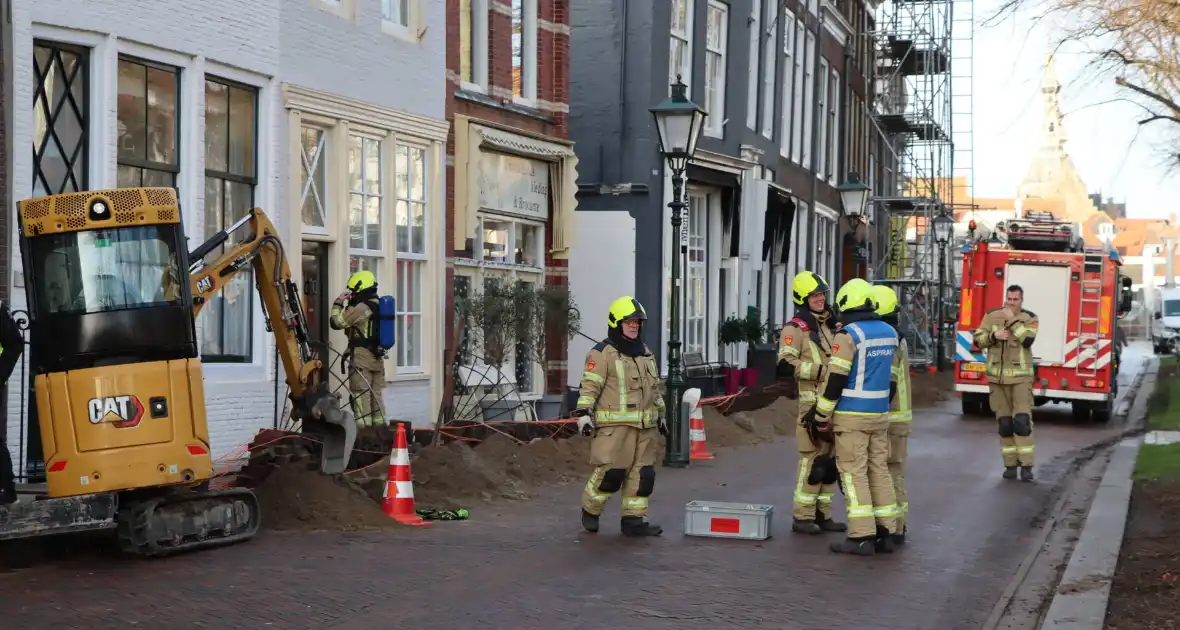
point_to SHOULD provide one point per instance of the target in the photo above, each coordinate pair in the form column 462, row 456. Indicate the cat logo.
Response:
column 124, row 412
column 204, row 284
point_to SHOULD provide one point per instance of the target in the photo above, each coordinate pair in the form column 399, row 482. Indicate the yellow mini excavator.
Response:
column 113, row 296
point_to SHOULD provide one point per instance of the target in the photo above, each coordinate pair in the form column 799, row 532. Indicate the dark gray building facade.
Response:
column 789, row 99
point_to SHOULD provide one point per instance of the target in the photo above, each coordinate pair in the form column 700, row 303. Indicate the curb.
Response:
column 1081, row 597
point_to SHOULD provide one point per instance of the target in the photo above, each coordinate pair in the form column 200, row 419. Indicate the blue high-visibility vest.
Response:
column 867, row 390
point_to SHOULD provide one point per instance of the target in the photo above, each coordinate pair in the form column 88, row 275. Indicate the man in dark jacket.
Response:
column 12, row 344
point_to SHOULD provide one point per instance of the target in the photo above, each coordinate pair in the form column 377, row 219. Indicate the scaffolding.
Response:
column 923, row 110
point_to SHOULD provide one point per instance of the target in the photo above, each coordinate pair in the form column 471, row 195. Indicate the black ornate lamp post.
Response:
column 679, row 122
column 943, row 225
column 854, row 195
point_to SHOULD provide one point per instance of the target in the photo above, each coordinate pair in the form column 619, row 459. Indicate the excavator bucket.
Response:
column 335, row 429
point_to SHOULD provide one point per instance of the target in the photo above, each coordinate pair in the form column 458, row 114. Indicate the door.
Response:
column 315, row 291
column 1046, row 293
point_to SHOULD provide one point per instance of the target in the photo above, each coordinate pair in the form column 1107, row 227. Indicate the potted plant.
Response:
column 545, row 315
column 731, row 333
column 491, row 320
column 761, row 355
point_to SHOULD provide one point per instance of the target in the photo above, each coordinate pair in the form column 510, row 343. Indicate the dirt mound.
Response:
column 296, row 498
column 931, row 389
column 750, row 427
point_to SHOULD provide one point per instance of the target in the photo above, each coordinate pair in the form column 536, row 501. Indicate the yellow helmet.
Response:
column 806, row 284
column 623, row 308
column 361, row 280
column 885, row 299
column 856, row 294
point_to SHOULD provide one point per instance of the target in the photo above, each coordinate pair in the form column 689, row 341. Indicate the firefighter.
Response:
column 354, row 312
column 854, row 407
column 621, row 405
column 12, row 344
column 1008, row 334
column 805, row 345
column 900, row 411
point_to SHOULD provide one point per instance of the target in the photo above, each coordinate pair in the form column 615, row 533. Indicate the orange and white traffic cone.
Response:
column 398, row 501
column 696, row 435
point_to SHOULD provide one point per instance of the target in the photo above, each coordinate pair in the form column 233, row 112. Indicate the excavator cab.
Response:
column 113, row 298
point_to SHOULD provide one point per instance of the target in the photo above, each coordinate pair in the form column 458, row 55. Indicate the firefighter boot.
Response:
column 636, row 526
column 589, row 521
column 854, row 546
column 806, row 527
column 884, row 541
column 829, row 525
column 1009, row 472
column 1026, row 473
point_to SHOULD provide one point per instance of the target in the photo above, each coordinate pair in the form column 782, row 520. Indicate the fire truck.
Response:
column 1078, row 294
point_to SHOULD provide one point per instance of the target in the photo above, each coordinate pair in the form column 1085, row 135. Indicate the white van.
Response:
column 1165, row 321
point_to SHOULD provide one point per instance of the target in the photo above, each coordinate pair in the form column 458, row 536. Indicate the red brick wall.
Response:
column 552, row 90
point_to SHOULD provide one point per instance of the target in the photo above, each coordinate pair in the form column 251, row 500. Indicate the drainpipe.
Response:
column 819, row 47
column 623, row 97
column 845, row 118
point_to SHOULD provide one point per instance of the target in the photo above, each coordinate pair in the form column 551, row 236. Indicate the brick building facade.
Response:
column 511, row 171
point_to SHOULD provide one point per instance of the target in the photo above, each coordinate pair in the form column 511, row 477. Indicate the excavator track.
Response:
column 187, row 521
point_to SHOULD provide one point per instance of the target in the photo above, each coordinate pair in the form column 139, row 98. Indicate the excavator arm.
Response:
column 313, row 403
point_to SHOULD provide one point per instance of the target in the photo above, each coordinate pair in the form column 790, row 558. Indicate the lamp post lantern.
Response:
column 854, row 195
column 943, row 226
column 678, row 122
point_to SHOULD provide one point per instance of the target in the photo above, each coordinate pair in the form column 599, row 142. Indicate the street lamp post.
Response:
column 943, row 226
column 854, row 196
column 678, row 122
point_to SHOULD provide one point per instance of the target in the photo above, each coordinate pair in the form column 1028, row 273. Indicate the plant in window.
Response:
column 544, row 313
column 491, row 321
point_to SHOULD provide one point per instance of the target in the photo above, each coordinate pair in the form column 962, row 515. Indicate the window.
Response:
column 524, row 49
column 769, row 69
column 148, row 124
column 680, row 56
column 410, row 220
column 821, row 112
column 364, row 205
column 715, row 44
column 755, row 54
column 61, row 100
column 313, row 179
column 696, row 267
column 396, row 12
column 833, row 126
column 808, row 98
column 797, row 134
column 231, row 127
column 786, row 128
column 473, row 44
column 107, row 270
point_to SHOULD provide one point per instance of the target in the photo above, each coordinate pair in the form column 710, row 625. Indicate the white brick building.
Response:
column 213, row 98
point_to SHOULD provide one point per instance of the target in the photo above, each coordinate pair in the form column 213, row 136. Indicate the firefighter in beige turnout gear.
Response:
column 1007, row 334
column 900, row 411
column 621, row 404
column 354, row 312
column 805, row 344
column 853, row 405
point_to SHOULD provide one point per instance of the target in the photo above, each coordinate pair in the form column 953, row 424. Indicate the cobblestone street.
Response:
column 528, row 566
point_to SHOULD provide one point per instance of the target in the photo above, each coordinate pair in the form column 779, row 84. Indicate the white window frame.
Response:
column 755, row 55
column 797, row 91
column 808, row 99
column 378, row 256
column 478, row 29
column 528, row 54
column 345, row 9
column 821, row 108
column 825, row 239
column 417, row 260
column 405, row 27
column 323, row 157
column 683, row 36
column 769, row 69
column 696, row 272
column 834, row 105
column 715, row 94
column 786, row 128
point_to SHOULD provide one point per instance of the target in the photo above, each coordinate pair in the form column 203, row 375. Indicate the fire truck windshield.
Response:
column 1171, row 308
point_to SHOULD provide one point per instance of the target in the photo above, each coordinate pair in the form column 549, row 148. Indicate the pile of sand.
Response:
column 931, row 389
column 295, row 498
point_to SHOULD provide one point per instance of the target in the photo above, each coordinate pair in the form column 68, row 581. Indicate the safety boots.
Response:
column 884, row 541
column 899, row 539
column 589, row 521
column 828, row 525
column 818, row 526
column 1026, row 473
column 1009, row 472
column 636, row 526
column 855, row 546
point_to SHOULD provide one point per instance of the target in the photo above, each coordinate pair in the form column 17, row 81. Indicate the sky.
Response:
column 1007, row 70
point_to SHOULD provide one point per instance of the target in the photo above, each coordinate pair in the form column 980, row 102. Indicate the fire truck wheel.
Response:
column 1081, row 412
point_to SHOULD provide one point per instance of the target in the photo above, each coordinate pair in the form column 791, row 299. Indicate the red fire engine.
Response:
column 1074, row 291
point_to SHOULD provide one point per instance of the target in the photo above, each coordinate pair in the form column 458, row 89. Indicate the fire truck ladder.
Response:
column 1090, row 312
